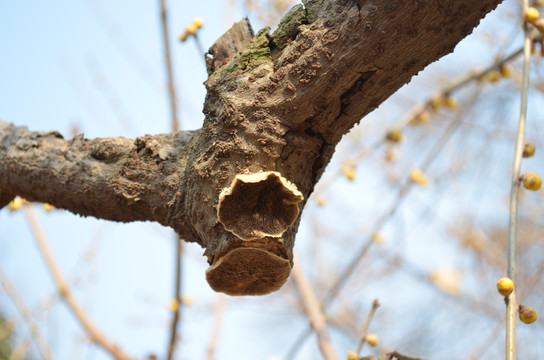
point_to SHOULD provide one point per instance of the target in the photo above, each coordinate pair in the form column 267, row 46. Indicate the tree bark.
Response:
column 276, row 106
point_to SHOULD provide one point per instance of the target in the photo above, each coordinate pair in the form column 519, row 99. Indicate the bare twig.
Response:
column 7, row 327
column 396, row 355
column 177, row 301
column 512, row 306
column 124, row 43
column 401, row 195
column 169, row 67
column 19, row 303
column 200, row 49
column 92, row 331
column 218, row 310
column 364, row 330
column 175, row 127
column 20, row 350
column 313, row 308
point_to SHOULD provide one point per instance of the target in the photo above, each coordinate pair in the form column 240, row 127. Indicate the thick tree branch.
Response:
column 115, row 179
column 276, row 104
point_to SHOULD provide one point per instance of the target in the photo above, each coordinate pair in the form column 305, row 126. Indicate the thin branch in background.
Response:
column 169, row 68
column 192, row 31
column 364, row 330
column 175, row 127
column 401, row 196
column 314, row 310
column 529, row 286
column 200, row 49
column 124, row 44
column 19, row 303
column 512, row 305
column 176, row 309
column 20, row 351
column 7, row 327
column 396, row 355
column 92, row 331
column 218, row 311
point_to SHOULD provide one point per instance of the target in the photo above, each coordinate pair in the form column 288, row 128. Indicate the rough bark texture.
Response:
column 276, row 103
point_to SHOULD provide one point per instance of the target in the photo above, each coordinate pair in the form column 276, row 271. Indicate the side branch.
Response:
column 115, row 179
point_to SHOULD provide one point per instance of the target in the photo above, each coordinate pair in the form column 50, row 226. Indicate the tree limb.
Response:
column 276, row 104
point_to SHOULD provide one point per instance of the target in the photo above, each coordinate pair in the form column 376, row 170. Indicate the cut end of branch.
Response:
column 259, row 205
column 248, row 271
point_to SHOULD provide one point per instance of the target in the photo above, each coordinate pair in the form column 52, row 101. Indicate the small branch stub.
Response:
column 248, row 271
column 259, row 205
column 258, row 209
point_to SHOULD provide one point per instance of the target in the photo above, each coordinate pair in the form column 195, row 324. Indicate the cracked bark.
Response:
column 275, row 103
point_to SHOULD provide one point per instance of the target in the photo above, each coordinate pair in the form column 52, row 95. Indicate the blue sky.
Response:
column 98, row 66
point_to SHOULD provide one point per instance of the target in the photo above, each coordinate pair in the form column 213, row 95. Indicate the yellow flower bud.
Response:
column 183, row 37
column 352, row 355
column 419, row 177
column 423, row 118
column 395, row 136
column 531, row 14
column 191, row 29
column 506, row 70
column 48, row 207
column 529, row 150
column 320, row 201
column 492, row 76
column 451, row 103
column 505, row 286
column 372, row 339
column 378, row 237
column 174, row 305
column 532, row 181
column 437, row 102
column 16, row 204
column 349, row 172
column 199, row 22
column 527, row 314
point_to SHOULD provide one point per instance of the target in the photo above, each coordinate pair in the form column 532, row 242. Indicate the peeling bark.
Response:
column 275, row 103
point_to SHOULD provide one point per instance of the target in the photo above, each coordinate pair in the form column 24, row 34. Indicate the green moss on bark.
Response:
column 288, row 26
column 257, row 53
